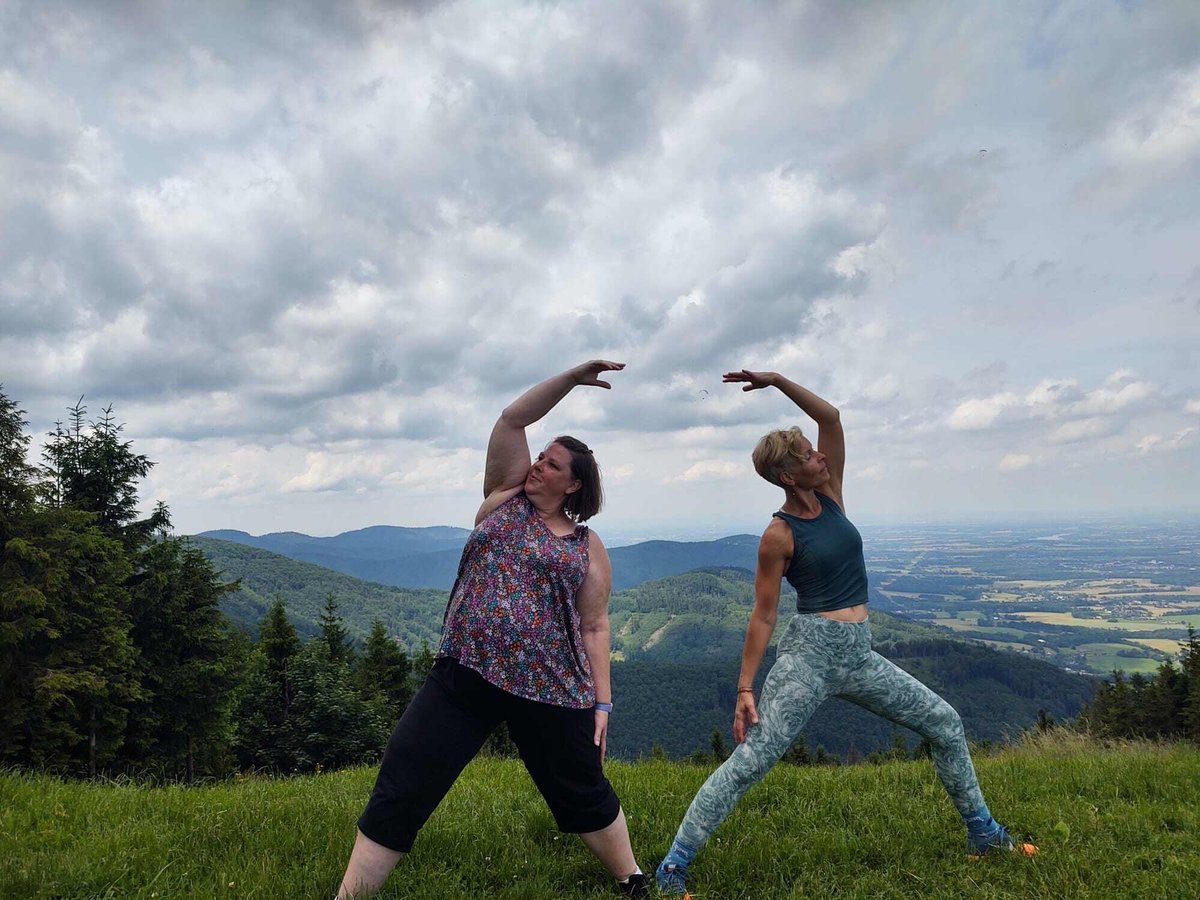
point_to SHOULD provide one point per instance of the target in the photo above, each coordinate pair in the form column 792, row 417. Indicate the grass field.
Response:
column 1117, row 822
column 1107, row 657
column 1066, row 618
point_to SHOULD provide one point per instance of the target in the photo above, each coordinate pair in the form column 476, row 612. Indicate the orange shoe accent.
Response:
column 1021, row 849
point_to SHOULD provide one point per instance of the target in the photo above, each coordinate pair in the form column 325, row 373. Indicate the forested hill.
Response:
column 428, row 557
column 410, row 615
column 678, row 641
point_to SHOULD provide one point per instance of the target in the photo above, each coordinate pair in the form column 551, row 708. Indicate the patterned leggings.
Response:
column 820, row 658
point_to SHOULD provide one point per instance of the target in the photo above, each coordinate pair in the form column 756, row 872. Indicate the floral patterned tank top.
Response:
column 512, row 615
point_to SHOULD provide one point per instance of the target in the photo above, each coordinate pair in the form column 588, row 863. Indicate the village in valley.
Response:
column 1091, row 597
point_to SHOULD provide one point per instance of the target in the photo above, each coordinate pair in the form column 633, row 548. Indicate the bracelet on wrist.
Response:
column 745, row 690
column 604, row 707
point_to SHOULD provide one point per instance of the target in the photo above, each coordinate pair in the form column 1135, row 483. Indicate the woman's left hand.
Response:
column 600, row 738
column 589, row 372
column 755, row 381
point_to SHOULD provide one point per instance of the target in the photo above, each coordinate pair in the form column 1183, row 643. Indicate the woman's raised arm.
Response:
column 508, row 452
column 831, row 441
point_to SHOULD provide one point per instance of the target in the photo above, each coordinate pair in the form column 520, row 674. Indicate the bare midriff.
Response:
column 849, row 614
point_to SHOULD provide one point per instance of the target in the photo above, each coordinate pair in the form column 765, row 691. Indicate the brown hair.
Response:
column 773, row 451
column 584, row 503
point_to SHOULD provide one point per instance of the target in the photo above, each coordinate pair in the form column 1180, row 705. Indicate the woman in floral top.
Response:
column 525, row 642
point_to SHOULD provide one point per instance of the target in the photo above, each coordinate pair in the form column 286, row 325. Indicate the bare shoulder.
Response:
column 596, row 548
column 776, row 540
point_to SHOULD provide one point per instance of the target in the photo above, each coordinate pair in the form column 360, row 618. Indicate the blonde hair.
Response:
column 774, row 450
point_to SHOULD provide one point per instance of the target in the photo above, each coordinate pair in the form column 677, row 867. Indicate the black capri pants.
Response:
column 443, row 728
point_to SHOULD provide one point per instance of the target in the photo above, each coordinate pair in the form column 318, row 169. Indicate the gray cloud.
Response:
column 302, row 226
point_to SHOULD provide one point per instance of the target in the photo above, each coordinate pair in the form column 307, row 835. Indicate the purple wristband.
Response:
column 604, row 707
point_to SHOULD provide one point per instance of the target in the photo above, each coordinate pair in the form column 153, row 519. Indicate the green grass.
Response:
column 1103, row 658
column 1116, row 822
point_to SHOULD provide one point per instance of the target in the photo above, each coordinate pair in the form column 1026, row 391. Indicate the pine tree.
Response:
column 17, row 477
column 187, row 667
column 717, row 746
column 279, row 644
column 422, row 664
column 263, row 733
column 67, row 657
column 330, row 724
column 333, row 632
column 90, row 468
column 1189, row 662
column 383, row 670
column 797, row 754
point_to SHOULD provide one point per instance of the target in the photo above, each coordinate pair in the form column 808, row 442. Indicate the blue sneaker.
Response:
column 1000, row 841
column 672, row 880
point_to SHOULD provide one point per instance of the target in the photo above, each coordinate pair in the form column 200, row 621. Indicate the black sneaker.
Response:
column 634, row 886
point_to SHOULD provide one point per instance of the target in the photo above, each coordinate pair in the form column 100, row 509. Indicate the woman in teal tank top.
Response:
column 826, row 650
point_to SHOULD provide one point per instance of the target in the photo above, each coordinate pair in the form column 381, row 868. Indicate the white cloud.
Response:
column 1082, row 430
column 1014, row 461
column 288, row 230
column 711, row 470
column 979, row 413
column 1149, row 443
column 1164, row 131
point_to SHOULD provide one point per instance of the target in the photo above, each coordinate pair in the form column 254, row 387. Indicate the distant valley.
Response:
column 1088, row 597
column 677, row 641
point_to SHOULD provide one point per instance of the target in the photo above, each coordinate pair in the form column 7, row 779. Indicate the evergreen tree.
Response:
column 383, row 670
column 187, row 667
column 17, row 477
column 263, row 734
column 90, row 468
column 421, row 665
column 1189, row 661
column 330, row 724
column 797, row 754
column 500, row 743
column 279, row 643
column 67, row 660
column 718, row 747
column 333, row 632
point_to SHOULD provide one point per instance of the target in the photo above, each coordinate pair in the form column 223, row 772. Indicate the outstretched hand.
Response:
column 589, row 372
column 755, row 381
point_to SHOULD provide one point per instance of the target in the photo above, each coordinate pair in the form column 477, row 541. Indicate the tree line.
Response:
column 1162, row 706
column 115, row 656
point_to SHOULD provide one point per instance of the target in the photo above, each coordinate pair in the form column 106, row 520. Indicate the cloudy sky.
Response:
column 309, row 250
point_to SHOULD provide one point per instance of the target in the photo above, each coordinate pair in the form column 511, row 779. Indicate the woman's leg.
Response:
column 882, row 687
column 440, row 732
column 556, row 746
column 611, row 846
column 793, row 690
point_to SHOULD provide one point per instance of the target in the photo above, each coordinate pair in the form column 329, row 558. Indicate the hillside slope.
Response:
column 410, row 615
column 1116, row 823
column 428, row 557
column 678, row 641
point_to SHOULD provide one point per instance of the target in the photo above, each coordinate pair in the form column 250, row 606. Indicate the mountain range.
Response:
column 428, row 557
column 677, row 642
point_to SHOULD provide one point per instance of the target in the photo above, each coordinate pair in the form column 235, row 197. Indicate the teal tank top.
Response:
column 827, row 568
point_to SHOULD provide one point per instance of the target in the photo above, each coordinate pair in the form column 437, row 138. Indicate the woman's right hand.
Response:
column 755, row 381
column 744, row 715
column 589, row 372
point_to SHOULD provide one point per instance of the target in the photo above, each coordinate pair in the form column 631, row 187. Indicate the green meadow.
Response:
column 1116, row 821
